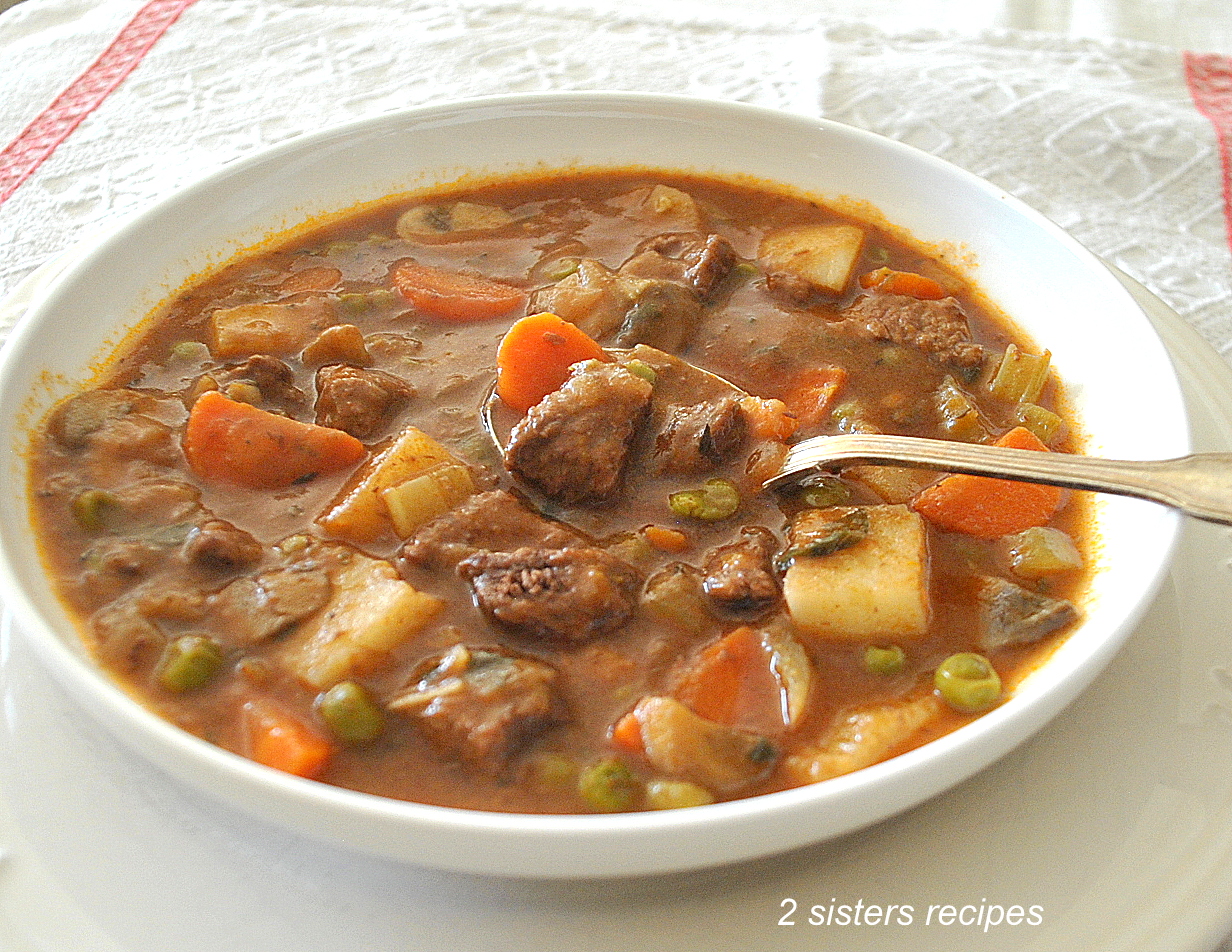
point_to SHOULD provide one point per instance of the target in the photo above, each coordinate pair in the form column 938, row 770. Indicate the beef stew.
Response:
column 284, row 528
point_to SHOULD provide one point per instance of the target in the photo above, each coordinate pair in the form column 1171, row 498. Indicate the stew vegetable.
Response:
column 284, row 528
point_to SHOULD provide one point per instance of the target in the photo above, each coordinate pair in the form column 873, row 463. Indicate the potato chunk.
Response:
column 411, row 481
column 822, row 255
column 371, row 611
column 275, row 328
column 875, row 587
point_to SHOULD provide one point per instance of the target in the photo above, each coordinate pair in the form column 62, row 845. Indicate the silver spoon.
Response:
column 1199, row 485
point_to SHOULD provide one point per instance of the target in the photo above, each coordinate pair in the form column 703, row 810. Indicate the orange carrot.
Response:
column 626, row 734
column 666, row 540
column 242, row 444
column 535, row 355
column 280, row 740
column 990, row 508
column 903, row 282
column 769, row 419
column 454, row 295
column 732, row 683
column 813, row 393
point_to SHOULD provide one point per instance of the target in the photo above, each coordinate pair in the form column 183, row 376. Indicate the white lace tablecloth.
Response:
column 1102, row 137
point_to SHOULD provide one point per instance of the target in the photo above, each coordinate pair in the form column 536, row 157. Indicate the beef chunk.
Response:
column 358, row 401
column 216, row 543
column 573, row 444
column 794, row 289
column 937, row 328
column 493, row 520
column 1013, row 615
column 256, row 608
column 740, row 576
column 695, row 439
column 562, row 595
column 699, row 262
column 483, row 706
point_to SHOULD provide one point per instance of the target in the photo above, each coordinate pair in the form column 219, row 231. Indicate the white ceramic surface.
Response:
column 1102, row 345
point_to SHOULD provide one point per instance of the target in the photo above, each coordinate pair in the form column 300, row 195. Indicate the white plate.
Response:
column 1116, row 821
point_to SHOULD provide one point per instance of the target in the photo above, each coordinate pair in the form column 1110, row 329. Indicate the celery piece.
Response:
column 959, row 416
column 1042, row 551
column 1020, row 378
column 1042, row 422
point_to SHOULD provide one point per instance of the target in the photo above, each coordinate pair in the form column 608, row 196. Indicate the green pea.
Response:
column 675, row 794
column 716, row 499
column 968, row 683
column 350, row 713
column 891, row 660
column 188, row 662
column 92, row 508
column 608, row 786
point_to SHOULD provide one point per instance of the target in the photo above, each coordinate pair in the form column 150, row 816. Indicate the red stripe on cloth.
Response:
column 22, row 156
column 1209, row 76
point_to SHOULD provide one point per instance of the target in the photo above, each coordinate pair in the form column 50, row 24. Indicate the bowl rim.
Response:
column 1013, row 722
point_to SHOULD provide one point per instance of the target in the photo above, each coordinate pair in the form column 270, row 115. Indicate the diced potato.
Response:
column 422, row 498
column 275, row 328
column 894, row 484
column 682, row 744
column 361, row 512
column 863, row 737
column 823, row 255
column 340, row 344
column 371, row 612
column 874, row 588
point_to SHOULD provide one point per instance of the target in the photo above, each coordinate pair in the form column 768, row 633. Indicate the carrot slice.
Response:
column 986, row 507
column 732, row 683
column 903, row 282
column 454, row 295
column 626, row 734
column 535, row 355
column 813, row 393
column 278, row 739
column 238, row 443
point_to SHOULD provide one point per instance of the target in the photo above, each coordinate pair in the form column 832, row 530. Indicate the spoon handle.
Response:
column 1199, row 485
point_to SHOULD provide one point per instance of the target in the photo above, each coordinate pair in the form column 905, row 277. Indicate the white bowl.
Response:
column 1103, row 347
